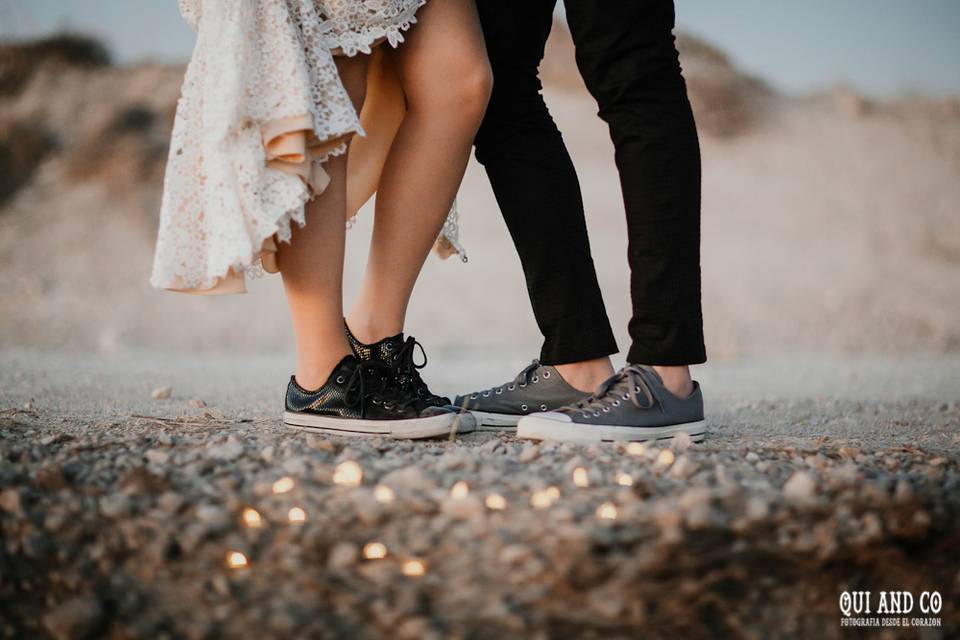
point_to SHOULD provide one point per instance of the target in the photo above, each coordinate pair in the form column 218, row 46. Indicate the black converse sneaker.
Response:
column 398, row 354
column 359, row 398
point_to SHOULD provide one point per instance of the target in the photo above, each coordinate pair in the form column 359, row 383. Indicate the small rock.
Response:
column 10, row 502
column 28, row 405
column 76, row 618
column 684, row 467
column 529, row 453
column 752, row 457
column 55, row 438
column 267, row 454
column 196, row 403
column 408, row 479
column 227, row 451
column 161, row 393
column 681, row 441
column 115, row 505
column 462, row 508
column 801, row 488
column 757, row 509
column 342, row 555
column 157, row 456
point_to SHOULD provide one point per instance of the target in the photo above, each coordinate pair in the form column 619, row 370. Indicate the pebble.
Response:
column 157, row 456
column 77, row 617
column 800, row 489
column 227, row 451
column 161, row 393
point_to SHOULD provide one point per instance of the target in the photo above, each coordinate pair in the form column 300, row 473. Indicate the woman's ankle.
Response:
column 313, row 371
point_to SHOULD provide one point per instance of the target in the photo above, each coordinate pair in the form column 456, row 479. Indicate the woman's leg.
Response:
column 312, row 263
column 446, row 77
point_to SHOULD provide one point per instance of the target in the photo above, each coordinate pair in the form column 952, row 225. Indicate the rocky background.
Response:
column 147, row 489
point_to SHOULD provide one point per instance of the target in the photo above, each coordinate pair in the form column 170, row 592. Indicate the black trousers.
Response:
column 625, row 52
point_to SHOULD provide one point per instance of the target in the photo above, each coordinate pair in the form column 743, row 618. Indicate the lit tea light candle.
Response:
column 283, row 485
column 348, row 474
column 665, row 457
column 541, row 499
column 607, row 511
column 636, row 448
column 383, row 493
column 413, row 568
column 236, row 560
column 459, row 490
column 624, row 480
column 296, row 515
column 495, row 502
column 580, row 477
column 374, row 551
column 251, row 518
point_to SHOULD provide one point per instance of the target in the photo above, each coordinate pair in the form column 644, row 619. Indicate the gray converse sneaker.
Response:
column 632, row 405
column 538, row 387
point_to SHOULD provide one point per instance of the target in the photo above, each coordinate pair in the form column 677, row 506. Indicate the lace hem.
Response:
column 348, row 38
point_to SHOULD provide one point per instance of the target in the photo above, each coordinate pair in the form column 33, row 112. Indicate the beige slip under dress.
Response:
column 261, row 108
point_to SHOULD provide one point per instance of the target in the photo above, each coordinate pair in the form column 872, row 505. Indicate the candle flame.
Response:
column 580, row 477
column 251, row 518
column 665, row 457
column 607, row 511
column 496, row 502
column 636, row 448
column 383, row 493
column 236, row 560
column 374, row 551
column 283, row 485
column 413, row 568
column 296, row 515
column 348, row 474
column 459, row 490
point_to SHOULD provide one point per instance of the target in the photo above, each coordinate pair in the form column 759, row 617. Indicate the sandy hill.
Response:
column 830, row 221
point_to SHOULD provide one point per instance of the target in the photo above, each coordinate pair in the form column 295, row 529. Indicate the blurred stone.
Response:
column 161, row 393
column 800, row 489
column 79, row 617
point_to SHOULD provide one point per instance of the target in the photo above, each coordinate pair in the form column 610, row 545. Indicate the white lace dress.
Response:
column 262, row 107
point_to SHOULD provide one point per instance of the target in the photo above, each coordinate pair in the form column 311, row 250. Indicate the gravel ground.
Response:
column 119, row 512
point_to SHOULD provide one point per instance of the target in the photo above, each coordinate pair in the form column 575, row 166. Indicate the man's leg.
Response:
column 538, row 193
column 626, row 54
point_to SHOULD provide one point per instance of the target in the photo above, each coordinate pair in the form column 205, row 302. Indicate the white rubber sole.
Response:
column 410, row 429
column 534, row 428
column 487, row 421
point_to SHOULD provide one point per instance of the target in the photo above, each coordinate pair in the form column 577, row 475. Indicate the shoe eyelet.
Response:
column 473, row 397
column 585, row 415
column 606, row 409
column 339, row 379
column 375, row 401
column 616, row 403
column 546, row 374
column 523, row 386
column 523, row 407
column 636, row 389
column 511, row 387
column 388, row 346
column 536, row 379
column 499, row 391
column 543, row 407
column 626, row 397
column 596, row 414
column 486, row 394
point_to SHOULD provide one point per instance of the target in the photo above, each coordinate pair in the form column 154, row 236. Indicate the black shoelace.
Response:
column 407, row 369
column 358, row 391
